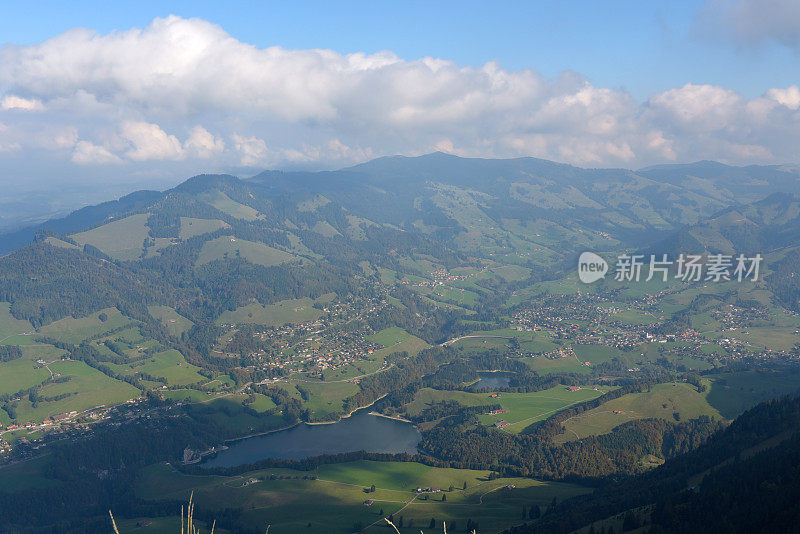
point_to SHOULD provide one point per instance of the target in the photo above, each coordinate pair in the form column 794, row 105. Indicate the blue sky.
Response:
column 639, row 46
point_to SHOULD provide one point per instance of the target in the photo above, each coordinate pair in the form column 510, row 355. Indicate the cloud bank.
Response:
column 185, row 93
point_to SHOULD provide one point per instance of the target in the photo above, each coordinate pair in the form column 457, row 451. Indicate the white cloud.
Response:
column 789, row 97
column 87, row 153
column 150, row 142
column 252, row 150
column 202, row 144
column 23, row 104
column 183, row 93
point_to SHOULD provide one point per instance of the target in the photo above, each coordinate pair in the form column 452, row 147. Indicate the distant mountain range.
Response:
column 475, row 206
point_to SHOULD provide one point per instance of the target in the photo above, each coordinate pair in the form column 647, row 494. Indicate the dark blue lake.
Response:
column 493, row 380
column 361, row 431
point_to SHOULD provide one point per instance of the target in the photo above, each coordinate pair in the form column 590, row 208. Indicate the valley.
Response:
column 227, row 307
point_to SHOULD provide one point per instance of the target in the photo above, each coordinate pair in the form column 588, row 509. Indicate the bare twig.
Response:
column 394, row 527
column 113, row 523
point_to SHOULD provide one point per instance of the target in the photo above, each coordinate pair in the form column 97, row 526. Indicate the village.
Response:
column 335, row 340
column 595, row 319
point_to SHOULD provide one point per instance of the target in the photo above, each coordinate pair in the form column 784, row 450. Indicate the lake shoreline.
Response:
column 361, row 430
column 309, row 423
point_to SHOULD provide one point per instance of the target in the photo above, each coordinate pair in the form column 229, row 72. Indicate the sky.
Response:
column 153, row 92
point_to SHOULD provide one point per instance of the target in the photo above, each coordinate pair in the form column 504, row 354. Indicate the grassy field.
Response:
column 727, row 395
column 190, row 395
column 511, row 273
column 191, row 227
column 21, row 374
column 169, row 365
column 462, row 297
column 262, row 403
column 653, row 351
column 230, row 247
column 524, row 409
column 174, row 322
column 122, row 239
column 60, row 243
column 543, row 365
column 663, row 401
column 9, row 325
column 733, row 393
column 160, row 525
column 86, row 388
column 25, row 475
column 74, row 330
column 228, row 412
column 282, row 498
column 286, row 311
column 594, row 354
column 396, row 339
column 225, row 204
column 481, row 343
column 324, row 397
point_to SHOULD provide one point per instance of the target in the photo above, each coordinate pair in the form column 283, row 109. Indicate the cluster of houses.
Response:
column 593, row 319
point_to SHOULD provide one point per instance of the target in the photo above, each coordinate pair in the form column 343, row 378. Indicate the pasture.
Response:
column 324, row 398
column 174, row 322
column 121, row 240
column 396, row 339
column 282, row 497
column 191, row 226
column 663, row 401
column 9, row 325
column 74, row 330
column 86, row 388
column 169, row 365
column 733, row 393
column 294, row 311
column 21, row 374
column 229, row 247
column 25, row 475
column 523, row 409
column 227, row 205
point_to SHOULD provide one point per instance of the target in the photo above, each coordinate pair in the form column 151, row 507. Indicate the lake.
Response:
column 361, row 431
column 493, row 380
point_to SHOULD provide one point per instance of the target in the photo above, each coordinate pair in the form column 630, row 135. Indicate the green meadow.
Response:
column 225, row 204
column 733, row 393
column 169, row 365
column 286, row 311
column 122, row 239
column 21, row 374
column 9, row 325
column 74, row 330
column 663, row 401
column 231, row 247
column 174, row 322
column 281, row 498
column 396, row 339
column 28, row 474
column 524, row 409
column 191, row 227
column 86, row 388
column 324, row 398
